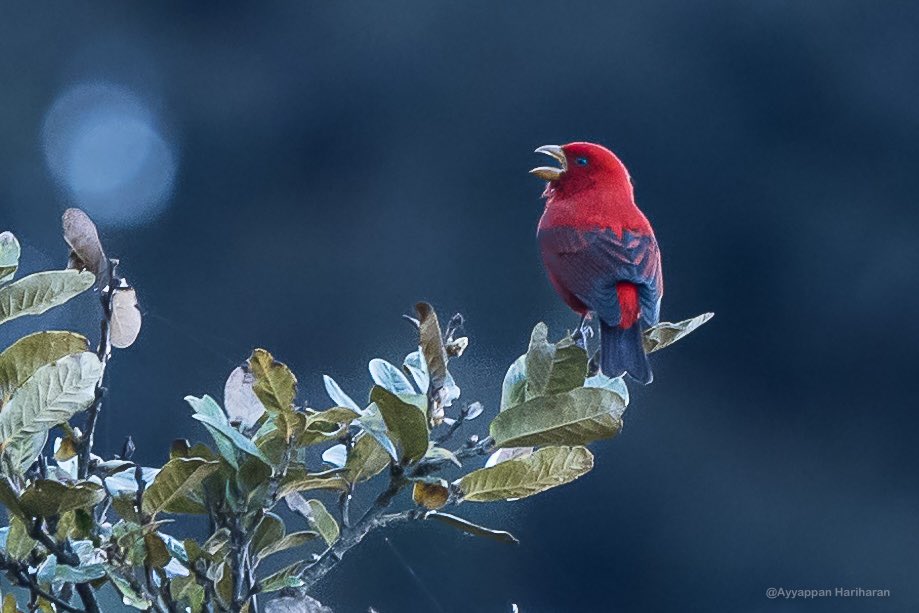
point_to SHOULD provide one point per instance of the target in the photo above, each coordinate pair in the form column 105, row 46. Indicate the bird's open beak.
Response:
column 550, row 173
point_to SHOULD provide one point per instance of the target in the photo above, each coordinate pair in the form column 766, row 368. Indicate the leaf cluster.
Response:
column 274, row 478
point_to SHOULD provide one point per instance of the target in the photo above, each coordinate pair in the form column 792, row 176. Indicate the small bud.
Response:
column 472, row 411
column 431, row 494
column 456, row 348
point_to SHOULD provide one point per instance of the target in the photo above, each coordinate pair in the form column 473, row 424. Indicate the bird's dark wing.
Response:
column 590, row 263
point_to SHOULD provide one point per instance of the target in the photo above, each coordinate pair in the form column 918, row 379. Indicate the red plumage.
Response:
column 600, row 251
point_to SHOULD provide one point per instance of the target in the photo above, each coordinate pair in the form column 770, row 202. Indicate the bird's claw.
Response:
column 582, row 334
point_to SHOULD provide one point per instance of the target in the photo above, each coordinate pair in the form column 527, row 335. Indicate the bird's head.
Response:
column 582, row 166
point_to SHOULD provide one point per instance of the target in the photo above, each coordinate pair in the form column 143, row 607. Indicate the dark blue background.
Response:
column 339, row 161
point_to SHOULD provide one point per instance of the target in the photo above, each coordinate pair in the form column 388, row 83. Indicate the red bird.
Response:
column 600, row 252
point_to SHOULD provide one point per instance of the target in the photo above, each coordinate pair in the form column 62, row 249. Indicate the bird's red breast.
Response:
column 595, row 195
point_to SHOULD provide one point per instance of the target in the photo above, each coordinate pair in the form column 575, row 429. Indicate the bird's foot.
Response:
column 593, row 366
column 582, row 333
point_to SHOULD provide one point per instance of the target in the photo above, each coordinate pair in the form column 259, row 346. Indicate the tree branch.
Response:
column 372, row 519
column 103, row 352
column 471, row 449
column 19, row 573
column 64, row 555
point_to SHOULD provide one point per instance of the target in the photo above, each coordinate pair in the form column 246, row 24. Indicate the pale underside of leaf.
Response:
column 666, row 333
column 471, row 528
column 126, row 318
column 178, row 477
column 388, row 376
column 52, row 395
column 9, row 256
column 38, row 292
column 338, row 395
column 239, row 399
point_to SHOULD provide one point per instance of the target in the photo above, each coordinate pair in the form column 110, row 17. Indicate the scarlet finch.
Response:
column 600, row 252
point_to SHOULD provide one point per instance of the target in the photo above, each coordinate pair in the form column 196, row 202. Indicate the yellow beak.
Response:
column 550, row 173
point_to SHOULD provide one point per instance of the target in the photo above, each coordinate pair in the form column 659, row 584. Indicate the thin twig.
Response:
column 19, row 573
column 63, row 554
column 103, row 352
column 372, row 519
column 470, row 450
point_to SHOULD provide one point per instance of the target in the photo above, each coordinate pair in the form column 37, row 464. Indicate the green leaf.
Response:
column 22, row 452
column 553, row 368
column 274, row 384
column 9, row 498
column 666, row 333
column 18, row 542
column 337, row 395
column 270, row 530
column 439, row 453
column 217, row 543
column 129, row 596
column 52, row 395
column 513, row 389
column 547, row 468
column 326, row 425
column 186, row 589
column 288, row 541
column 226, row 436
column 471, row 528
column 366, row 459
column 539, row 357
column 298, row 479
column 9, row 256
column 157, row 554
column 9, row 604
column 579, row 417
column 252, row 474
column 222, row 577
column 47, row 498
column 174, row 487
column 36, row 293
column 323, row 522
column 287, row 577
column 407, row 424
column 20, row 360
column 389, row 377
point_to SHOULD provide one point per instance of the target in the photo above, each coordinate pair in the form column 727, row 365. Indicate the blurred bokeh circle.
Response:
column 105, row 148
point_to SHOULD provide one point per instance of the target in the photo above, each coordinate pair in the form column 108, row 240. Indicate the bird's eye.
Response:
column 581, row 161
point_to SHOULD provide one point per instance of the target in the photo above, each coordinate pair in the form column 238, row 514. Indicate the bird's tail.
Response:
column 622, row 351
